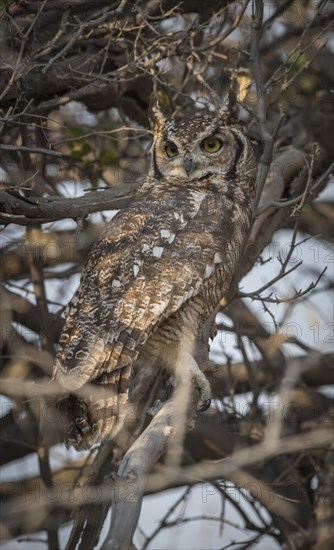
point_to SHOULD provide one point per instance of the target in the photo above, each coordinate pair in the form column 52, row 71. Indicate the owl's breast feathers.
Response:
column 150, row 259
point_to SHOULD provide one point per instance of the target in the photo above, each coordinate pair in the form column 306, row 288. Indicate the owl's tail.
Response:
column 98, row 411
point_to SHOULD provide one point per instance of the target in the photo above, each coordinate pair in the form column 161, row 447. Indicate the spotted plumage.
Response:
column 158, row 270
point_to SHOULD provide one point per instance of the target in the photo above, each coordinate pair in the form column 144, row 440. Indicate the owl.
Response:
column 158, row 270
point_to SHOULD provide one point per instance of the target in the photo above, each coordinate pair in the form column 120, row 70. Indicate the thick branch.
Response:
column 17, row 209
column 136, row 464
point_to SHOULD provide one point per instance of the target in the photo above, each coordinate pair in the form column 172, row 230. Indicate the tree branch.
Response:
column 135, row 466
column 16, row 209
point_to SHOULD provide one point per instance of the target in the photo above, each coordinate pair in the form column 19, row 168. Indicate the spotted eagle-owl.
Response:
column 158, row 271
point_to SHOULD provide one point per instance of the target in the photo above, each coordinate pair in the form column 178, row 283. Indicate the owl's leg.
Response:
column 190, row 371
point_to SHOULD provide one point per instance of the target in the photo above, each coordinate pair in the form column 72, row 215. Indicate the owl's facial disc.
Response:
column 194, row 150
column 192, row 163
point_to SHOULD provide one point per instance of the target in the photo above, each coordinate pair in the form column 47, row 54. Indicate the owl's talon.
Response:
column 199, row 380
column 170, row 386
column 83, row 426
column 157, row 405
column 204, row 404
column 205, row 395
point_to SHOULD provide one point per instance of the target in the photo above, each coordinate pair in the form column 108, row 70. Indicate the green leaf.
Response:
column 307, row 83
column 108, row 157
column 77, row 131
column 77, row 154
column 86, row 148
column 297, row 59
column 79, row 149
column 95, row 182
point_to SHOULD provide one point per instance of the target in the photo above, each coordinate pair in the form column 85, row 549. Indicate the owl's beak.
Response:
column 188, row 163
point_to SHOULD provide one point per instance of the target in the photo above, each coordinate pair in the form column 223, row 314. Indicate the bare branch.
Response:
column 135, row 466
column 16, row 209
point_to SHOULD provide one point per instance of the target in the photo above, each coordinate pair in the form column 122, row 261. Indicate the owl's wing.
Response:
column 152, row 258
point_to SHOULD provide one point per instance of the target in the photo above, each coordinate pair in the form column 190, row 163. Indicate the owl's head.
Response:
column 198, row 148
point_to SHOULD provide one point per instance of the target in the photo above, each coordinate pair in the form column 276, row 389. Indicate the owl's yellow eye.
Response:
column 171, row 150
column 211, row 145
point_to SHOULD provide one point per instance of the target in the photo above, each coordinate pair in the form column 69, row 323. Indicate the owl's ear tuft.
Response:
column 156, row 114
column 229, row 112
